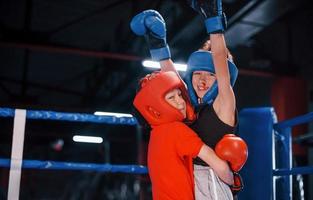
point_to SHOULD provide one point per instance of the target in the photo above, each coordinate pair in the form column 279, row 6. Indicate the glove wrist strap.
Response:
column 238, row 183
column 160, row 54
column 215, row 24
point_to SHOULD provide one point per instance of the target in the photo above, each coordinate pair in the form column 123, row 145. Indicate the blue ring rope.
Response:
column 75, row 117
column 55, row 165
column 293, row 171
column 294, row 121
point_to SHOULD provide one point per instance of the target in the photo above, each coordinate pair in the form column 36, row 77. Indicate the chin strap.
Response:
column 200, row 101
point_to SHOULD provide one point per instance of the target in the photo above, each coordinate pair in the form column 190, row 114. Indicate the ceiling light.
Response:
column 153, row 64
column 87, row 139
column 112, row 114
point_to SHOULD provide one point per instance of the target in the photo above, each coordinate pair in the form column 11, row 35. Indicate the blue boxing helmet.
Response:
column 202, row 60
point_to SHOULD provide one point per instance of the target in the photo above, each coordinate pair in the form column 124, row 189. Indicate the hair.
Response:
column 148, row 77
column 207, row 46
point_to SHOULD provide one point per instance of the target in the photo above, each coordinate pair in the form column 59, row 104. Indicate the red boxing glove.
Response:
column 232, row 149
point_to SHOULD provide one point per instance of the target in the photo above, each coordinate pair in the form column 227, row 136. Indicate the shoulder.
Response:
column 184, row 131
column 172, row 126
column 176, row 129
column 179, row 126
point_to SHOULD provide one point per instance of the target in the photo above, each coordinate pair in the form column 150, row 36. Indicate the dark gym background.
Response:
column 81, row 56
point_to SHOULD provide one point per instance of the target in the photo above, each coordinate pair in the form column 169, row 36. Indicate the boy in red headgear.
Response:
column 163, row 102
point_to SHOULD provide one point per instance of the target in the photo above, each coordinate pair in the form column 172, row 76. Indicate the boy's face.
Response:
column 202, row 81
column 175, row 99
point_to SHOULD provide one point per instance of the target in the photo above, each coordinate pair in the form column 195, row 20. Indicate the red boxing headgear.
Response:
column 150, row 100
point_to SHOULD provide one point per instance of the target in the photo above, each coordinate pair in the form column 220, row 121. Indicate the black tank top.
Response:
column 210, row 128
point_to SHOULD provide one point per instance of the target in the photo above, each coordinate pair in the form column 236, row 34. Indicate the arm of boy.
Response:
column 215, row 23
column 225, row 103
column 151, row 24
column 189, row 144
column 220, row 167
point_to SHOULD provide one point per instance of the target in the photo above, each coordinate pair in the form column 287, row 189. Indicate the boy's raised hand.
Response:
column 151, row 24
column 212, row 12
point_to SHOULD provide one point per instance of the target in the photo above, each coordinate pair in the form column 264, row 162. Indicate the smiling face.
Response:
column 175, row 99
column 202, row 81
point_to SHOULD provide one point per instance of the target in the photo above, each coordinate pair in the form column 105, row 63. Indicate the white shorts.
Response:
column 208, row 186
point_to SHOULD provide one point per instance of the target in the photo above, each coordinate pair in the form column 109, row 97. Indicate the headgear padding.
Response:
column 150, row 100
column 202, row 60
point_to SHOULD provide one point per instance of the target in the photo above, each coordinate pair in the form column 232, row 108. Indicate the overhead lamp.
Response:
column 100, row 113
column 87, row 139
column 153, row 64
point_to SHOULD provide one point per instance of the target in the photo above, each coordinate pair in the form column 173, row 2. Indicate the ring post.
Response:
column 256, row 128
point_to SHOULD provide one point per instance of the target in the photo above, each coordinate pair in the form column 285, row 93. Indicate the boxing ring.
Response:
column 16, row 162
column 267, row 173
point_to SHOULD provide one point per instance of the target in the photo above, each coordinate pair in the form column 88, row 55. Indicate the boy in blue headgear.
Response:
column 211, row 93
column 209, row 87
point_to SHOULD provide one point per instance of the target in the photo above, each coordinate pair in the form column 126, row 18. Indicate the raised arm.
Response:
column 168, row 65
column 225, row 101
column 215, row 23
column 151, row 24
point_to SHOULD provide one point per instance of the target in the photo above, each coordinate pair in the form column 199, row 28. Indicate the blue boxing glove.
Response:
column 211, row 10
column 151, row 24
